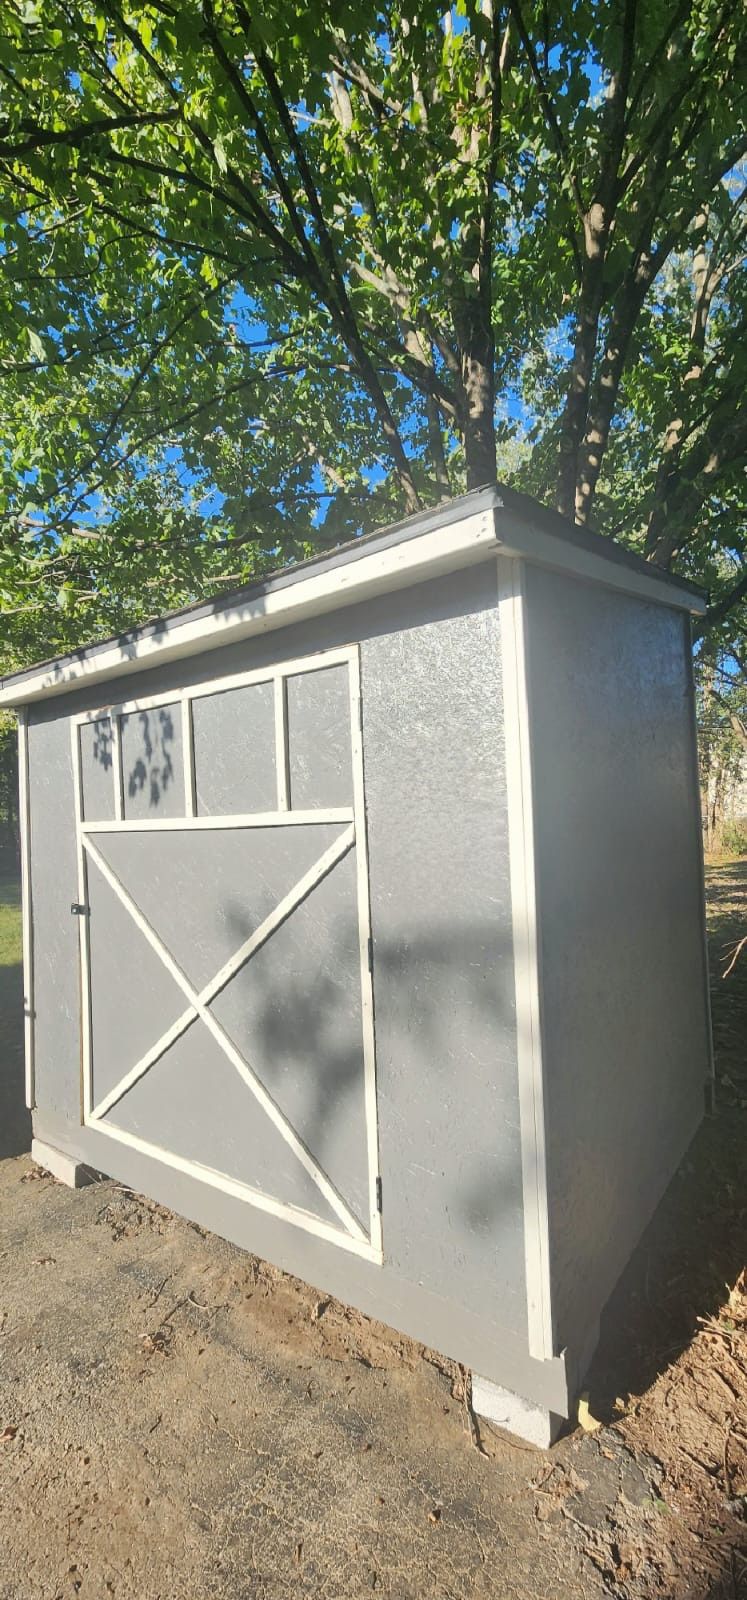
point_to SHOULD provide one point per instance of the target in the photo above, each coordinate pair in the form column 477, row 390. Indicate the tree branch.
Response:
column 40, row 138
column 333, row 292
column 719, row 612
column 739, row 726
column 556, row 132
column 722, row 444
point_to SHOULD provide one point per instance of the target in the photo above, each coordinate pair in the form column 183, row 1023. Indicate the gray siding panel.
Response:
column 54, row 886
column 295, row 1013
column 96, row 770
column 205, row 893
column 133, row 998
column 319, row 739
column 234, row 745
column 443, row 963
column 193, row 1104
column 624, row 1023
column 152, row 770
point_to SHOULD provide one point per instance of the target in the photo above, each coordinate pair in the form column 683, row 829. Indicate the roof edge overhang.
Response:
column 459, row 534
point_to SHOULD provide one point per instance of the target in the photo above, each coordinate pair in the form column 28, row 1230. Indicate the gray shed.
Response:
column 363, row 916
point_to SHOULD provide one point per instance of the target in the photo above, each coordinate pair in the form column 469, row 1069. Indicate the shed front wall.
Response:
column 448, row 1114
column 625, row 1027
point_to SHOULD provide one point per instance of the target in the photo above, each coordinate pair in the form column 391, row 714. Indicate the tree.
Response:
column 273, row 276
column 721, row 685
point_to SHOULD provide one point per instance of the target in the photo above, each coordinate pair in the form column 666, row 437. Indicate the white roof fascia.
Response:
column 446, row 549
column 460, row 543
column 531, row 543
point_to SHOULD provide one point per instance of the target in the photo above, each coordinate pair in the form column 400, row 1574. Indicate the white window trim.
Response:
column 229, row 819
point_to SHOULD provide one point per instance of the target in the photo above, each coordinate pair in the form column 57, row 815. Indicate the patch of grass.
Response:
column 10, row 915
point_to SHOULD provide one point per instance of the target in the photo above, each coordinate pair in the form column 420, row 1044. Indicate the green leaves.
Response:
column 36, row 345
column 243, row 321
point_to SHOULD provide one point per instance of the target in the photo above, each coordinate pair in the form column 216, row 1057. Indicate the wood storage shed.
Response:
column 364, row 925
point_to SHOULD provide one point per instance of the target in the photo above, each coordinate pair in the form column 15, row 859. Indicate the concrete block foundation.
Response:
column 62, row 1167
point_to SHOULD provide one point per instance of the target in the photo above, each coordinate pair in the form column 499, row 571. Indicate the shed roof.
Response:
column 457, row 533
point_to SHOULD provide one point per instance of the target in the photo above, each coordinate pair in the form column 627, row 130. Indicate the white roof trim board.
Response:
column 458, row 534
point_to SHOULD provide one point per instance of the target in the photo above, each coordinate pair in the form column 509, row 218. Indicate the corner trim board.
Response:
column 710, row 1081
column 365, row 946
column 511, row 608
column 24, row 821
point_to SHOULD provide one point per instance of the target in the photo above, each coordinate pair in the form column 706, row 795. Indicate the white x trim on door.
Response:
column 350, row 1234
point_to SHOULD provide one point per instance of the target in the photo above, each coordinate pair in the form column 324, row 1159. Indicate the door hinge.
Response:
column 370, row 952
column 378, row 1195
column 77, row 910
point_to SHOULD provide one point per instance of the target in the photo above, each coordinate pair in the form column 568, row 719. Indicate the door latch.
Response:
column 77, row 910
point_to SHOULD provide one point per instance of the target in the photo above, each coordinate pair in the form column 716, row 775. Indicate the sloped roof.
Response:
column 507, row 521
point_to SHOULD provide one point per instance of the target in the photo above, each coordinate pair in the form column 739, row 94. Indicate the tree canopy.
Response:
column 270, row 276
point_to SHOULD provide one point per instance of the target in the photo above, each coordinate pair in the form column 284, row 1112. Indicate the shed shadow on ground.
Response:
column 696, row 1244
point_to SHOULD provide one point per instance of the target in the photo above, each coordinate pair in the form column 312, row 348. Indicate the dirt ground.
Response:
column 179, row 1420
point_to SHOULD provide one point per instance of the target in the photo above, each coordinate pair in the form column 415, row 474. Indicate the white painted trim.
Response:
column 316, row 662
column 27, row 922
column 699, row 850
column 283, row 909
column 247, row 819
column 253, row 1083
column 143, row 1065
column 364, row 941
column 188, row 757
column 282, row 764
column 526, row 955
column 117, row 773
column 86, row 1062
column 244, row 1191
column 442, row 550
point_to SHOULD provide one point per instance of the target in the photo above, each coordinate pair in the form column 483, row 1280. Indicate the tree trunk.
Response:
column 477, row 361
column 435, row 440
column 605, row 401
column 573, row 426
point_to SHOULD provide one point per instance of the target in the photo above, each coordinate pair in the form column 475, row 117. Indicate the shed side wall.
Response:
column 625, row 1030
column 443, row 977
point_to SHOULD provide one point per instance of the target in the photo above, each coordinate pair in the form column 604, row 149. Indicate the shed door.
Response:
column 224, row 925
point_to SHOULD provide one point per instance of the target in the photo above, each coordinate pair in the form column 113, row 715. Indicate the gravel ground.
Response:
column 179, row 1419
